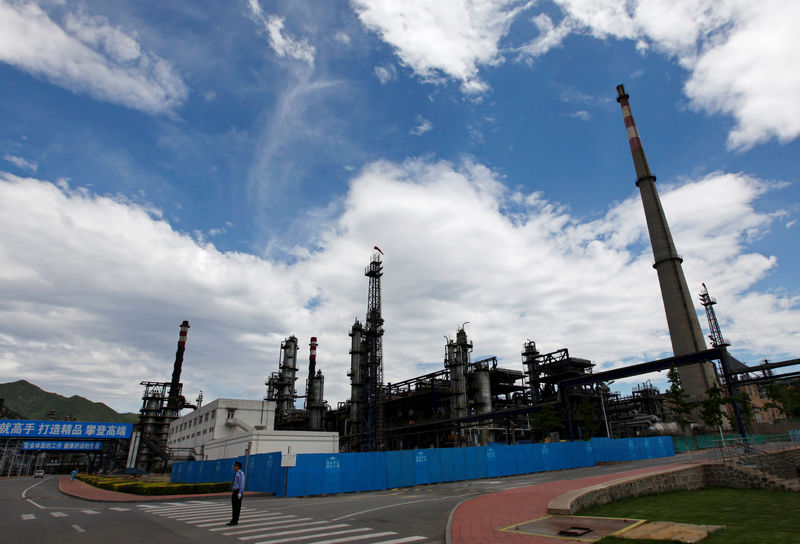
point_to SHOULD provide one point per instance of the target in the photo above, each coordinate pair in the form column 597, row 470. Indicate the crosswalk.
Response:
column 58, row 514
column 264, row 527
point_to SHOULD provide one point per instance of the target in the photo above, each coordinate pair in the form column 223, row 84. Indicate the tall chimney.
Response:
column 312, row 357
column 175, row 384
column 684, row 327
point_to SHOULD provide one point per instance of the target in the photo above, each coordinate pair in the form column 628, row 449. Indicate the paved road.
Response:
column 35, row 511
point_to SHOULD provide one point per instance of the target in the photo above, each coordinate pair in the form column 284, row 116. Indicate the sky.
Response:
column 234, row 163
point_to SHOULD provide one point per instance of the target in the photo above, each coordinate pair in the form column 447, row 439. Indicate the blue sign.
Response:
column 78, row 445
column 25, row 428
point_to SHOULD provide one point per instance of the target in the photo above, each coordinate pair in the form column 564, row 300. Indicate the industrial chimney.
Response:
column 682, row 322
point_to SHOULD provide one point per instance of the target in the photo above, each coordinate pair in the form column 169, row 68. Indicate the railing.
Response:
column 760, row 452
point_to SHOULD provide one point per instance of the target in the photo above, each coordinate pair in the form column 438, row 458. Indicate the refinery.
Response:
column 550, row 396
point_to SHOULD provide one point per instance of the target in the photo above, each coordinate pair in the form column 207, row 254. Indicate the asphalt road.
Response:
column 33, row 510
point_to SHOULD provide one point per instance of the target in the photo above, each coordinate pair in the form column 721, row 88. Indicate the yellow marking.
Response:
column 513, row 528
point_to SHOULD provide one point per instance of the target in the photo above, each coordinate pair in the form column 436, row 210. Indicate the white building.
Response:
column 223, row 428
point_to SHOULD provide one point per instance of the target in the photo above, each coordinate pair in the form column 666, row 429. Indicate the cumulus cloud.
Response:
column 422, row 126
column 19, row 162
column 87, row 54
column 386, row 73
column 281, row 42
column 742, row 58
column 445, row 39
column 95, row 286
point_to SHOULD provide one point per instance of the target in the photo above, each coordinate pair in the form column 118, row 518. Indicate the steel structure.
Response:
column 161, row 404
column 722, row 344
column 372, row 434
column 684, row 327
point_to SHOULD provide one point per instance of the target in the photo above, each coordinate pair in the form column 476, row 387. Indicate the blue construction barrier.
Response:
column 320, row 473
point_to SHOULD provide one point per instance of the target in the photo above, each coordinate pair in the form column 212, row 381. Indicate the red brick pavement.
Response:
column 476, row 521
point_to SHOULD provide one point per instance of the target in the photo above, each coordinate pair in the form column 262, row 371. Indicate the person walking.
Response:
column 238, row 491
column 73, row 474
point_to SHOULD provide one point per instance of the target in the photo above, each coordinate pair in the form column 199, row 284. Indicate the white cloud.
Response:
column 282, row 43
column 742, row 58
column 444, row 39
column 19, row 162
column 583, row 115
column 423, row 126
column 550, row 36
column 386, row 73
column 88, row 55
column 96, row 286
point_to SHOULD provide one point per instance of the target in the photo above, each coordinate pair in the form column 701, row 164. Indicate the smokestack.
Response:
column 684, row 327
column 312, row 357
column 176, row 369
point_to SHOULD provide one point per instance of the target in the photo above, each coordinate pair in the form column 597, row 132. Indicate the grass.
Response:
column 750, row 515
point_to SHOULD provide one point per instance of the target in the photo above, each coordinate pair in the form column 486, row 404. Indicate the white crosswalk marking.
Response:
column 263, row 527
column 119, row 509
column 402, row 540
column 58, row 514
column 352, row 538
column 247, row 521
column 310, row 537
column 256, row 527
column 79, row 528
column 91, row 512
column 297, row 531
column 28, row 516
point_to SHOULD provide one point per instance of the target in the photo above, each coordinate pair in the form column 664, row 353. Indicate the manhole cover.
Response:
column 578, row 528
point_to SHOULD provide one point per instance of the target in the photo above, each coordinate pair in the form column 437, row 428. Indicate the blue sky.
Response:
column 233, row 164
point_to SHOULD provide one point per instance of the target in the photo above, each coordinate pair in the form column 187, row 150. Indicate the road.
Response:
column 33, row 510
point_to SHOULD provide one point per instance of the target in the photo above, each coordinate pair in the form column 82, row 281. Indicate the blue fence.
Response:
column 321, row 473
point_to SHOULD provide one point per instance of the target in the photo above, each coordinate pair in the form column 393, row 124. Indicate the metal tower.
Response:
column 684, row 327
column 373, row 338
column 718, row 341
column 713, row 325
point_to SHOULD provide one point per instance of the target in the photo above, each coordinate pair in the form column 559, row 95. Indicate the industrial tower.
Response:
column 726, row 360
column 682, row 322
column 373, row 339
column 162, row 403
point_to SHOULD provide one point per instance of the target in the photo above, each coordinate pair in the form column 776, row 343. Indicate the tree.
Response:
column 678, row 399
column 784, row 398
column 711, row 407
column 588, row 419
column 547, row 421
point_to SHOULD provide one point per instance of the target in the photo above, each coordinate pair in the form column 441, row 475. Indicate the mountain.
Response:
column 33, row 402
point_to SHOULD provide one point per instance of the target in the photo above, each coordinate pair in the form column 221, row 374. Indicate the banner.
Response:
column 25, row 428
column 53, row 445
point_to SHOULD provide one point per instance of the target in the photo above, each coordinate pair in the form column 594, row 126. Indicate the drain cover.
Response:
column 575, row 531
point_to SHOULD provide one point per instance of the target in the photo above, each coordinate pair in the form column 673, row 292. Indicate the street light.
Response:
column 604, row 388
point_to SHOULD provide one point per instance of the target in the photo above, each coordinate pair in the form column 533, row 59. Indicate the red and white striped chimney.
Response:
column 312, row 357
column 639, row 158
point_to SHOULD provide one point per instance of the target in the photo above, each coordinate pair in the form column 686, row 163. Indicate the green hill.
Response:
column 32, row 402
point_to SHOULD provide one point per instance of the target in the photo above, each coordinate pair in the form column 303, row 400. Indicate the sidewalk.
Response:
column 82, row 490
column 478, row 520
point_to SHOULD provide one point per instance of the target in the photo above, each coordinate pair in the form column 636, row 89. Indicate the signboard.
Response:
column 59, row 445
column 26, row 428
column 288, row 459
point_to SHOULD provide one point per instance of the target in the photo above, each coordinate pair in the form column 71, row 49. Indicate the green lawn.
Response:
column 752, row 516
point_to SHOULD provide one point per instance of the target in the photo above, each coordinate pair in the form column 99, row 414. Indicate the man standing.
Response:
column 238, row 490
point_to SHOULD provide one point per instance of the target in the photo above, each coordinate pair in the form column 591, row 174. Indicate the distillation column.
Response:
column 314, row 389
column 357, row 392
column 684, row 327
column 286, row 391
column 531, row 366
column 457, row 362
